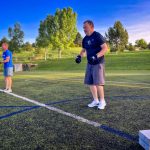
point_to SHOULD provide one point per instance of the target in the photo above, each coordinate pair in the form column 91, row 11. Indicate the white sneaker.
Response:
column 93, row 104
column 4, row 90
column 102, row 105
column 8, row 91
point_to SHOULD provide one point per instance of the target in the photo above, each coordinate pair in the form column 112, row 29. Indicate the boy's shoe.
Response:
column 8, row 91
column 5, row 90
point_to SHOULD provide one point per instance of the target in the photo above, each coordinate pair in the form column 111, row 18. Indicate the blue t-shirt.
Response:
column 92, row 45
column 6, row 54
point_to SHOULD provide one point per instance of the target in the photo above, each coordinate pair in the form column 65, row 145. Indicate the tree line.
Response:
column 59, row 32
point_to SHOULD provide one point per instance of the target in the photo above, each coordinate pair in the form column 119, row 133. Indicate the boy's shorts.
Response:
column 8, row 71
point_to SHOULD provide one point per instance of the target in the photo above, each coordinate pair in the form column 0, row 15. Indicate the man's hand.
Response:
column 104, row 48
column 93, row 60
column 78, row 59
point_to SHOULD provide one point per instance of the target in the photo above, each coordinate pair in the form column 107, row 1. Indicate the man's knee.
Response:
column 92, row 86
column 100, row 86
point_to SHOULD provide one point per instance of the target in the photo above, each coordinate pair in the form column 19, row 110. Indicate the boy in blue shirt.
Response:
column 8, row 67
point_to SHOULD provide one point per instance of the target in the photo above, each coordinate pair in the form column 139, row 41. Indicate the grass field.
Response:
column 60, row 84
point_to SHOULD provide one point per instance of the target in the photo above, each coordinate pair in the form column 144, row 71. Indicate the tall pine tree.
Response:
column 117, row 37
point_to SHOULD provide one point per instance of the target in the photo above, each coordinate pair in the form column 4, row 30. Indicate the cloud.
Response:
column 138, row 31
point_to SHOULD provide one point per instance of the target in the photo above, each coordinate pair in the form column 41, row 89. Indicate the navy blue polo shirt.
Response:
column 92, row 45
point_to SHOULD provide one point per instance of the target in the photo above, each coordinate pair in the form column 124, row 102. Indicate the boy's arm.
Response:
column 6, row 60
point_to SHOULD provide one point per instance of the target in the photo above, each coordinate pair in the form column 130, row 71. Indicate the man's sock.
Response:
column 96, row 100
column 102, row 100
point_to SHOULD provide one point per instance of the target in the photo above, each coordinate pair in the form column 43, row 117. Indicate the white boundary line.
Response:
column 80, row 119
column 1, row 90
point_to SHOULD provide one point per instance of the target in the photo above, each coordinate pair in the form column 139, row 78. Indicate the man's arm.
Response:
column 82, row 52
column 79, row 57
column 103, row 51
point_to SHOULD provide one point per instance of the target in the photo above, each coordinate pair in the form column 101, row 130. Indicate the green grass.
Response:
column 44, row 129
column 127, row 93
column 121, row 61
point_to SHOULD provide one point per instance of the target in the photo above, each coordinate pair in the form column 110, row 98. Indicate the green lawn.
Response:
column 121, row 61
column 127, row 94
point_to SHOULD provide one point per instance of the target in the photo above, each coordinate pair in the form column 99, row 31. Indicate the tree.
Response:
column 66, row 30
column 16, row 36
column 34, row 45
column 27, row 47
column 130, row 47
column 141, row 43
column 148, row 46
column 78, row 40
column 58, row 32
column 43, row 39
column 117, row 37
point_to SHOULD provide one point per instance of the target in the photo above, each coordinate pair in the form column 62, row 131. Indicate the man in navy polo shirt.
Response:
column 95, row 47
column 8, row 67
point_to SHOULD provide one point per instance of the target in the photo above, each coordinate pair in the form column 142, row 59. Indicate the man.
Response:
column 8, row 67
column 95, row 47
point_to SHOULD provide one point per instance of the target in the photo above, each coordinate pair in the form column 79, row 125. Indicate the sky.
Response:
column 134, row 15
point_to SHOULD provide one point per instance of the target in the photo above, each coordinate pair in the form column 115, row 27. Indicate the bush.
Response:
column 130, row 47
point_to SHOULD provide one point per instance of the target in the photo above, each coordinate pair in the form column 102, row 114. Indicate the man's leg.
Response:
column 93, row 90
column 89, row 81
column 99, row 80
column 95, row 102
column 100, row 90
column 102, row 103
